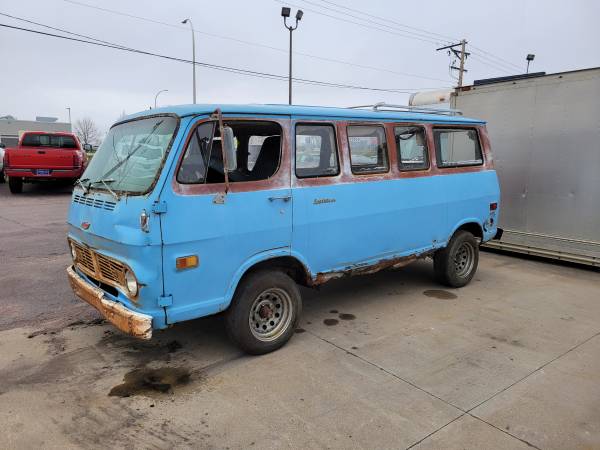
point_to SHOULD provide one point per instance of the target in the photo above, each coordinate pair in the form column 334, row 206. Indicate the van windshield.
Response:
column 131, row 155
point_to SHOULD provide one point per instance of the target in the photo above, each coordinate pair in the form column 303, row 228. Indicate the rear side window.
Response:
column 368, row 149
column 316, row 151
column 412, row 148
column 457, row 147
column 48, row 140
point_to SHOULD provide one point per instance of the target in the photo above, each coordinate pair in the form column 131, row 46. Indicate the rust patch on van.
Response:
column 392, row 263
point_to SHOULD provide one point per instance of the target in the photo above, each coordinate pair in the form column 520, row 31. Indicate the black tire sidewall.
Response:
column 236, row 317
column 15, row 185
column 445, row 260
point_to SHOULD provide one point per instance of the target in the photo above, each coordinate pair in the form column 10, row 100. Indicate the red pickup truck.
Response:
column 42, row 156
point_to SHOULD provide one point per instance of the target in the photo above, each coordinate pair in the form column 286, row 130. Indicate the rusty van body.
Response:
column 194, row 210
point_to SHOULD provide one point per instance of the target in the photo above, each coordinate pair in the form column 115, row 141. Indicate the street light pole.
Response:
column 157, row 94
column 285, row 13
column 193, row 54
column 530, row 57
column 69, row 109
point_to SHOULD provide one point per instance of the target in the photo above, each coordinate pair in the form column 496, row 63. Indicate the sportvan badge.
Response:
column 85, row 225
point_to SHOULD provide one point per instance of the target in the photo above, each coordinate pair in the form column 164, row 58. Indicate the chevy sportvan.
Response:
column 195, row 210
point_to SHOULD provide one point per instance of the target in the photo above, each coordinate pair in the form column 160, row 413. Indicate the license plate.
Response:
column 42, row 172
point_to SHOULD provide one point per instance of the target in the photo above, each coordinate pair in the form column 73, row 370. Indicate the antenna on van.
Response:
column 382, row 106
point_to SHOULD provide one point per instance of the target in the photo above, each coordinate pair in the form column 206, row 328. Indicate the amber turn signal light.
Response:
column 186, row 262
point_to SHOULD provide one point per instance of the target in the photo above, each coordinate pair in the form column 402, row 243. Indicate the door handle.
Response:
column 285, row 198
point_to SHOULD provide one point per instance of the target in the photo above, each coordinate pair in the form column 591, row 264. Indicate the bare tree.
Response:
column 87, row 131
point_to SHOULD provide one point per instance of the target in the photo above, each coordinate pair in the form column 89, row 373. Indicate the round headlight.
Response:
column 73, row 252
column 131, row 283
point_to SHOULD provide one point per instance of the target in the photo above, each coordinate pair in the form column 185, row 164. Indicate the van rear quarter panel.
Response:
column 351, row 220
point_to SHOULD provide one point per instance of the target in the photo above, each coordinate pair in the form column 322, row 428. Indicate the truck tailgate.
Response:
column 41, row 158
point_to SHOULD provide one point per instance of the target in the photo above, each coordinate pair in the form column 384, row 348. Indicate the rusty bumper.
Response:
column 133, row 323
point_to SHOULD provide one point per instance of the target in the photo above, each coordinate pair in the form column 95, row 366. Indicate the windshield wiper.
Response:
column 105, row 182
column 134, row 151
column 80, row 181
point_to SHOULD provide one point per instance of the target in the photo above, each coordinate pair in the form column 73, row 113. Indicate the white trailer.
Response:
column 545, row 136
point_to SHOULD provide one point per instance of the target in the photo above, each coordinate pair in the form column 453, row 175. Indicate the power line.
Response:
column 445, row 38
column 364, row 25
column 516, row 66
column 498, row 61
column 236, row 70
column 255, row 44
column 393, row 27
column 491, row 64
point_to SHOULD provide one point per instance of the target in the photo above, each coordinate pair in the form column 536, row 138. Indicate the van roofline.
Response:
column 325, row 112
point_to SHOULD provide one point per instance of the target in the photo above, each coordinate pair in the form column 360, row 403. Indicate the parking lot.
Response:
column 390, row 360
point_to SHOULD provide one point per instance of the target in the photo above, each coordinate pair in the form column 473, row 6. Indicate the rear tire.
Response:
column 456, row 264
column 2, row 177
column 15, row 185
column 264, row 312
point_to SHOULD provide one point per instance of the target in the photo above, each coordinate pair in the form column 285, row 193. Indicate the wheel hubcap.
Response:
column 464, row 259
column 270, row 314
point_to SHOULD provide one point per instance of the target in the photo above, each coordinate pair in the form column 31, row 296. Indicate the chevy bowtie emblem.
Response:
column 85, row 225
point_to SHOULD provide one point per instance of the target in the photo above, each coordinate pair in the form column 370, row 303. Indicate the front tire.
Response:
column 456, row 264
column 15, row 185
column 264, row 312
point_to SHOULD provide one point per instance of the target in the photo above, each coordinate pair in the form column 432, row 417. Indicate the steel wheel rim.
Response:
column 270, row 314
column 464, row 259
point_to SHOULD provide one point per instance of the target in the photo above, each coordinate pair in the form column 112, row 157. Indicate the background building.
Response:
column 11, row 128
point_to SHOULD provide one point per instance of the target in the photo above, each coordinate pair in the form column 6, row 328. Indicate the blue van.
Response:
column 195, row 210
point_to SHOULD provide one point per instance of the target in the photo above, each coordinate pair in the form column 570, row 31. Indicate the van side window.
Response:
column 368, row 149
column 258, row 148
column 412, row 148
column 457, row 147
column 316, row 151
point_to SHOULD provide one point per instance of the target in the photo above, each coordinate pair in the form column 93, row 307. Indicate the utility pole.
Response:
column 461, row 54
column 463, row 44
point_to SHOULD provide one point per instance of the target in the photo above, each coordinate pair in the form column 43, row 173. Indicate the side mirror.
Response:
column 228, row 141
column 87, row 147
column 2, row 145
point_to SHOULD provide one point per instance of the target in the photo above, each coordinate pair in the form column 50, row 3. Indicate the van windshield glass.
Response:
column 131, row 155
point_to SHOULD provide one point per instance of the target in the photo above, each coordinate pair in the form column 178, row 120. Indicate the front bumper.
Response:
column 130, row 322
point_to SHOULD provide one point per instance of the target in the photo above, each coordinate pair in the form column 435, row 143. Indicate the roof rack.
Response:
column 382, row 106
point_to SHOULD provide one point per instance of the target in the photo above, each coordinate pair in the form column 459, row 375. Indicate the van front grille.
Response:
column 94, row 202
column 100, row 267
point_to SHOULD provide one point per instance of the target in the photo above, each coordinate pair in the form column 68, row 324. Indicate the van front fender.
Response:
column 260, row 258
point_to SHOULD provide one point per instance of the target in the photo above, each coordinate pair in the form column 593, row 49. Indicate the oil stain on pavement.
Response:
column 146, row 381
column 439, row 294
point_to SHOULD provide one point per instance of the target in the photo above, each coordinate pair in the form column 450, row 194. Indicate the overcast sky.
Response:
column 41, row 75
